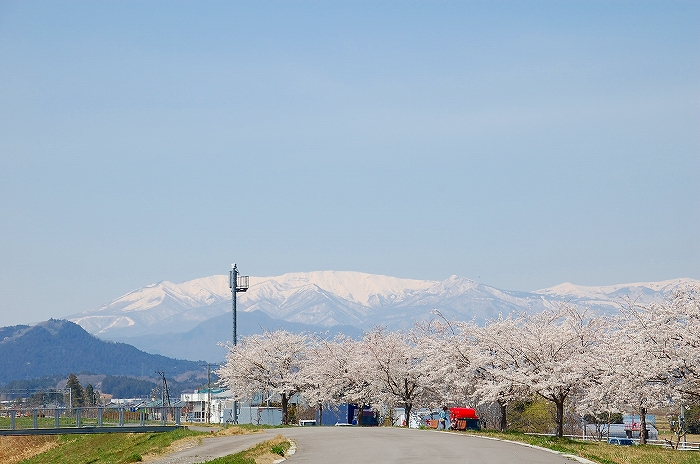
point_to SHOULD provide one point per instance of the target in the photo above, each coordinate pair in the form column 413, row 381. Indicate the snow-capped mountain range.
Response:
column 188, row 320
column 332, row 298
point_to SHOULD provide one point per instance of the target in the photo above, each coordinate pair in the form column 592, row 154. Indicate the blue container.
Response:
column 341, row 414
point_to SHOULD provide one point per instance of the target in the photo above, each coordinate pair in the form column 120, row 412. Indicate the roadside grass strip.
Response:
column 110, row 448
column 268, row 452
column 595, row 452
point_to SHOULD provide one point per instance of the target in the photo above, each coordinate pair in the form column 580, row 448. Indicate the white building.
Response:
column 220, row 409
column 195, row 405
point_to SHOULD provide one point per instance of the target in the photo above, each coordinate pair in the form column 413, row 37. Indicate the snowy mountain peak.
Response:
column 192, row 293
column 207, row 289
column 454, row 285
column 660, row 289
column 328, row 298
column 353, row 286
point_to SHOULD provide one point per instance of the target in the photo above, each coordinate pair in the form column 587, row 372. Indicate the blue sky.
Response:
column 520, row 144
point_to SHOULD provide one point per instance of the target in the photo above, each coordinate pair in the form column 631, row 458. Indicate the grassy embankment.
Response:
column 263, row 453
column 601, row 452
column 108, row 448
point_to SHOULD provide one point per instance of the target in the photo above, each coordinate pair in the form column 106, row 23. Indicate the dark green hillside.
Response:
column 60, row 347
column 126, row 387
column 42, row 383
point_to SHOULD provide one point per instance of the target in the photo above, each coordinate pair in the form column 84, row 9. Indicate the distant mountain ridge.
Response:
column 155, row 303
column 188, row 320
column 326, row 299
column 60, row 347
column 643, row 291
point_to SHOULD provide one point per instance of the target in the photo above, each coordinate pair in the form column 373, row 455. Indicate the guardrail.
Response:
column 96, row 419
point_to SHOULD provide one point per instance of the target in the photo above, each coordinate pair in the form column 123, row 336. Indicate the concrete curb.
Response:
column 292, row 449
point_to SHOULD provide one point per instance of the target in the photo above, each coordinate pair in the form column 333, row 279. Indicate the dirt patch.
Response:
column 235, row 430
column 178, row 445
column 16, row 449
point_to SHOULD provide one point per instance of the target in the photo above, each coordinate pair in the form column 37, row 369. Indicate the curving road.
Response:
column 386, row 445
column 381, row 445
column 213, row 447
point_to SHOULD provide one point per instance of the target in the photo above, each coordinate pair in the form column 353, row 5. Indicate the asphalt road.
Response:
column 381, row 445
column 385, row 445
column 215, row 447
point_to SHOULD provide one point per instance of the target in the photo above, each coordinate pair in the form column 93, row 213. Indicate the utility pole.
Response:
column 237, row 284
column 208, row 393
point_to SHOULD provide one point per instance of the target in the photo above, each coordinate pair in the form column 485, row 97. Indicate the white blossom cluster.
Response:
column 647, row 356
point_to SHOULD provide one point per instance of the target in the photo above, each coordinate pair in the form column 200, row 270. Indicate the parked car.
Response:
column 621, row 441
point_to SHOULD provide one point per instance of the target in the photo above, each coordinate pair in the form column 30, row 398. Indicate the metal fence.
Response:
column 683, row 446
column 88, row 417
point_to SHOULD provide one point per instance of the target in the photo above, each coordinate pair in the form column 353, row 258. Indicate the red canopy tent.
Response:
column 464, row 418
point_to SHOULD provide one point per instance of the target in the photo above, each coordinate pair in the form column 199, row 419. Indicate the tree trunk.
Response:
column 503, row 424
column 285, row 404
column 320, row 413
column 560, row 418
column 642, row 425
column 407, row 410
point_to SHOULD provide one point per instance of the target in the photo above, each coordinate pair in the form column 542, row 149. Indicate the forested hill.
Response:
column 62, row 347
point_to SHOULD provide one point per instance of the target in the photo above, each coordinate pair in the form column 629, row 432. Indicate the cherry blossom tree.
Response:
column 275, row 362
column 667, row 335
column 497, row 389
column 477, row 369
column 602, row 398
column 458, row 369
column 325, row 367
column 398, row 373
column 646, row 357
column 658, row 357
column 339, row 372
column 547, row 353
column 446, row 360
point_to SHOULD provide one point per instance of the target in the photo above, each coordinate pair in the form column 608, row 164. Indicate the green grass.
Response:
column 108, row 448
column 278, row 446
column 601, row 452
column 238, row 458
